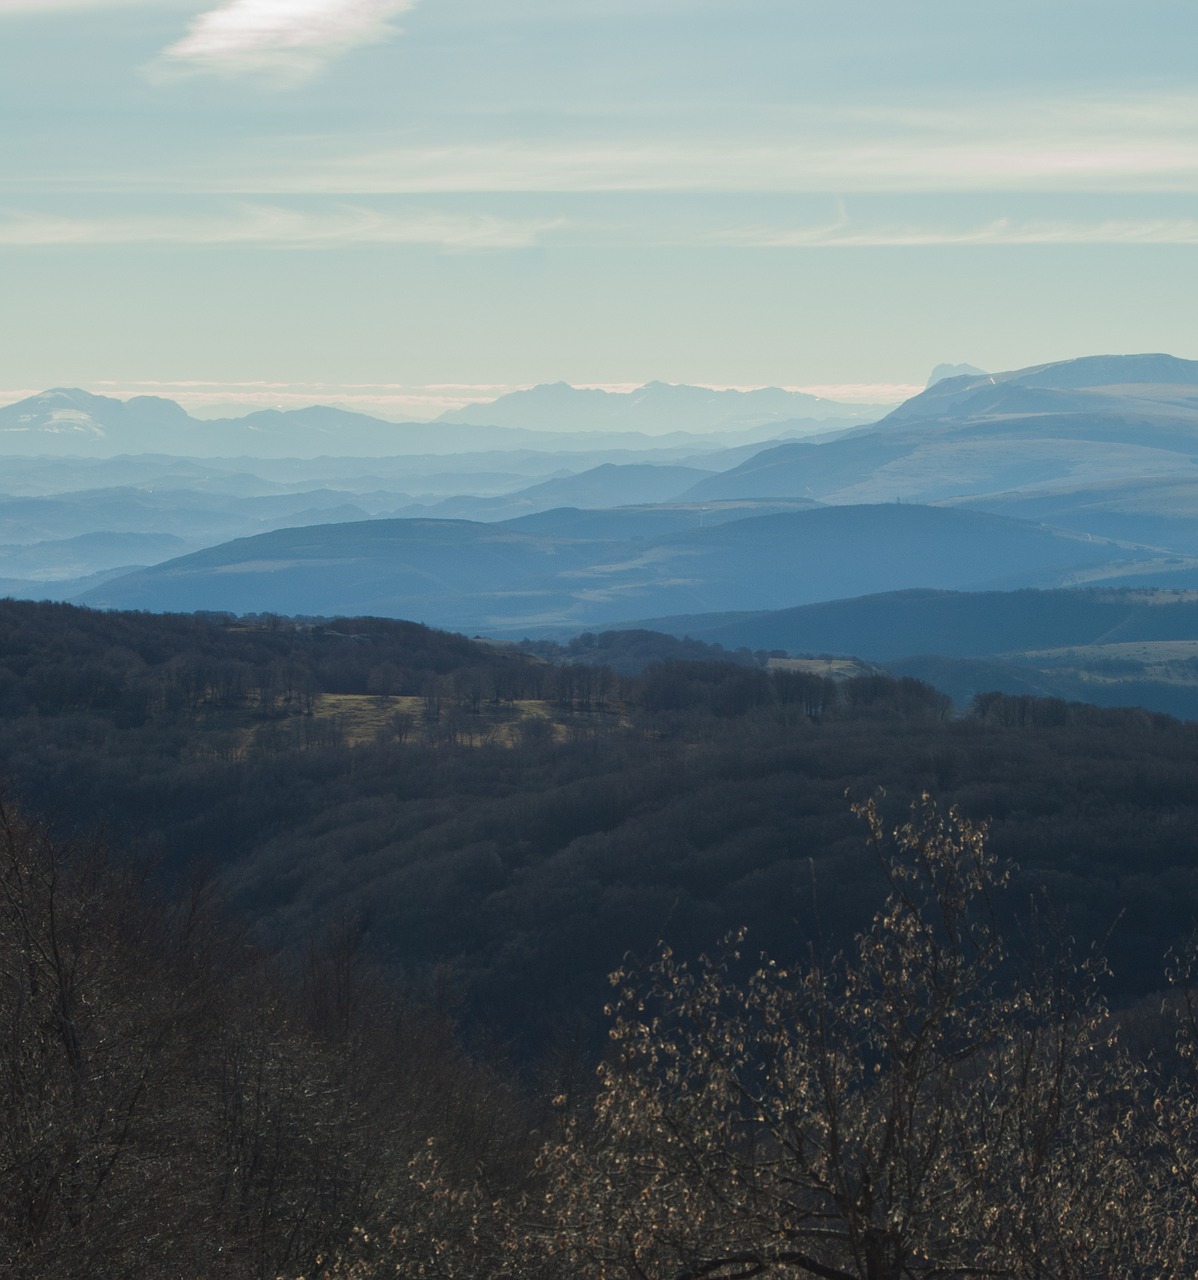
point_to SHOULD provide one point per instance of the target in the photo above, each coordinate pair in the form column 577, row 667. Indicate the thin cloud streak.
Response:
column 401, row 401
column 1000, row 231
column 207, row 399
column 217, row 400
column 273, row 226
column 42, row 7
column 1145, row 144
column 395, row 401
column 679, row 167
column 288, row 40
column 346, row 226
column 862, row 392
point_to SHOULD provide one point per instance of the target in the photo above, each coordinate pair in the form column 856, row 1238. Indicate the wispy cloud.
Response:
column 43, row 7
column 1140, row 143
column 400, row 401
column 269, row 225
column 860, row 166
column 287, row 40
column 999, row 231
column 341, row 225
column 862, row 392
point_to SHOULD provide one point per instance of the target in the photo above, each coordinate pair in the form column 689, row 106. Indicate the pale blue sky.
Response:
column 388, row 203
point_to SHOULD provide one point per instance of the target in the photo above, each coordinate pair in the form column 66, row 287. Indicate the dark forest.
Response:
column 308, row 926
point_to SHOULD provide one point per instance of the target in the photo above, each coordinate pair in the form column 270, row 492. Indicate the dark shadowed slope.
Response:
column 896, row 624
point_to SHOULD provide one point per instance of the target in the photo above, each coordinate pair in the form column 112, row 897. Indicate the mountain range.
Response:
column 68, row 422
column 1078, row 474
column 657, row 408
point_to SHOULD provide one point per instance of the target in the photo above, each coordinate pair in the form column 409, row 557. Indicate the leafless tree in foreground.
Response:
column 904, row 1111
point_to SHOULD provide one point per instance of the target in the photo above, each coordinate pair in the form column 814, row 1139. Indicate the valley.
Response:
column 690, row 660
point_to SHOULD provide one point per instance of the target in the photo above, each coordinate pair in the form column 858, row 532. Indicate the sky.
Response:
column 406, row 205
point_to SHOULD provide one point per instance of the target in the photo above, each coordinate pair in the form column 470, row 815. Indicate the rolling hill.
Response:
column 898, row 624
column 1109, row 647
column 1158, row 511
column 610, row 484
column 501, row 578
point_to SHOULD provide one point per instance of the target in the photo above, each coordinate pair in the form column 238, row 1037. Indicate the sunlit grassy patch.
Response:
column 363, row 718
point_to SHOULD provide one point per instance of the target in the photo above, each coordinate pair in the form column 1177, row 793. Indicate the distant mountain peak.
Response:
column 1060, row 386
column 73, row 395
column 942, row 371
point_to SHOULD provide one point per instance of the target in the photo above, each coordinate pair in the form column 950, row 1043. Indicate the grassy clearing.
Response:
column 835, row 668
column 1168, row 661
column 361, row 718
column 358, row 719
column 364, row 717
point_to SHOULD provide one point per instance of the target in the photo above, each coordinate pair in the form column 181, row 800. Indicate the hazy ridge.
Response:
column 1079, row 474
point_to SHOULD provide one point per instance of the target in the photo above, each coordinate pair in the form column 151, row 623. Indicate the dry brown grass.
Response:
column 835, row 668
column 364, row 718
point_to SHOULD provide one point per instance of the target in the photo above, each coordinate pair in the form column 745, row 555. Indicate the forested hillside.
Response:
column 1128, row 647
column 178, row 1102
column 508, row 828
column 310, row 958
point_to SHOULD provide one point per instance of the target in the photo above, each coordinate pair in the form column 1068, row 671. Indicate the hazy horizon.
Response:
column 414, row 200
column 410, row 403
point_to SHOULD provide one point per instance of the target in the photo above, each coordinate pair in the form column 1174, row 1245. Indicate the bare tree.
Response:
column 904, row 1112
column 96, row 1177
